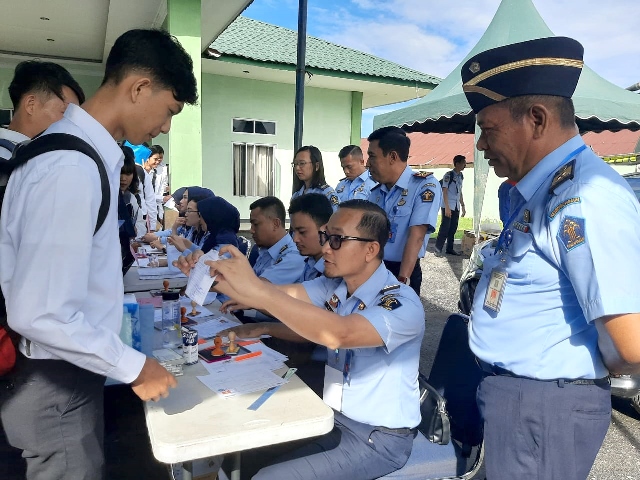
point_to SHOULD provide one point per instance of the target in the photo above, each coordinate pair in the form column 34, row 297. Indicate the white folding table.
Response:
column 194, row 422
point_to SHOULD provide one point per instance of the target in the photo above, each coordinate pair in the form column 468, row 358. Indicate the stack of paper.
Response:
column 211, row 327
column 157, row 273
column 270, row 358
column 235, row 378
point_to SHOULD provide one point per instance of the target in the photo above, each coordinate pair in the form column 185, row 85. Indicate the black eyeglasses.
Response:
column 192, row 211
column 335, row 241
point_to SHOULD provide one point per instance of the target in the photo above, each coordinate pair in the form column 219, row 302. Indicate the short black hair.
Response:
column 374, row 222
column 459, row 159
column 562, row 106
column 157, row 54
column 44, row 77
column 316, row 205
column 272, row 206
column 156, row 149
column 318, row 179
column 129, row 168
column 392, row 139
column 354, row 150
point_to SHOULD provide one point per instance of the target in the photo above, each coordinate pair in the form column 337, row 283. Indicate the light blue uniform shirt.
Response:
column 281, row 264
column 360, row 187
column 413, row 200
column 565, row 268
column 454, row 188
column 312, row 269
column 383, row 387
column 325, row 190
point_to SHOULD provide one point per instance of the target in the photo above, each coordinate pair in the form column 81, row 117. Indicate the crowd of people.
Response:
column 550, row 318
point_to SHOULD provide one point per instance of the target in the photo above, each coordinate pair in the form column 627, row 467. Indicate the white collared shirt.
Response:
column 63, row 284
column 12, row 136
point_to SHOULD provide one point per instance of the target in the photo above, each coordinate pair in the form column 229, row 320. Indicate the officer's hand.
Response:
column 464, row 211
column 178, row 242
column 185, row 264
column 249, row 330
column 232, row 306
column 153, row 382
column 447, row 212
column 235, row 277
column 149, row 237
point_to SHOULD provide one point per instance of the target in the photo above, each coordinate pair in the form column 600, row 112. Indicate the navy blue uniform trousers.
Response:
column 541, row 429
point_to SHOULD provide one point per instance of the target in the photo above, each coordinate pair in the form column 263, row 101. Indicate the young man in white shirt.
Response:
column 70, row 315
column 157, row 172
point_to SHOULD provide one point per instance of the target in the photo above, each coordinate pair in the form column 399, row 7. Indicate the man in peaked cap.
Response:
column 556, row 308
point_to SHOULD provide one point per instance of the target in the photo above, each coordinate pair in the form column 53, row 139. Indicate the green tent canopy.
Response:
column 600, row 105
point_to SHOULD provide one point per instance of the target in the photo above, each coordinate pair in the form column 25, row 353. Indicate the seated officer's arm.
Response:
column 255, row 330
column 411, row 249
column 291, row 305
column 619, row 342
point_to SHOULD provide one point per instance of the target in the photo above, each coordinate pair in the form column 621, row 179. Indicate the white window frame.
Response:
column 248, row 185
column 254, row 126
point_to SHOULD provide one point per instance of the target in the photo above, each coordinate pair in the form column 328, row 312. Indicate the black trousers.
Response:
column 55, row 415
column 448, row 228
column 415, row 280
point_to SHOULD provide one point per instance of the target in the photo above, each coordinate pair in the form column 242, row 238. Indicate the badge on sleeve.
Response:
column 571, row 233
column 495, row 290
column 389, row 302
column 334, row 200
column 427, row 196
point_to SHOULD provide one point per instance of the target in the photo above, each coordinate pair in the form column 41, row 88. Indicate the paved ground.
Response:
column 127, row 445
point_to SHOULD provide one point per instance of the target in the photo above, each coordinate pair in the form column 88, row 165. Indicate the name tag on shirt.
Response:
column 495, row 290
column 332, row 393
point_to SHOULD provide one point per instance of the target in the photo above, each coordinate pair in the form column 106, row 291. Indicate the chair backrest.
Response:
column 456, row 375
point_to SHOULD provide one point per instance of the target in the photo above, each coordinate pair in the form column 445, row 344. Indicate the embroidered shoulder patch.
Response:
column 427, row 196
column 388, row 288
column 559, row 207
column 421, row 174
column 389, row 302
column 572, row 233
column 565, row 173
column 334, row 200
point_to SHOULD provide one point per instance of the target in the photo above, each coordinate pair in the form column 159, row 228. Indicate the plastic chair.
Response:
column 456, row 375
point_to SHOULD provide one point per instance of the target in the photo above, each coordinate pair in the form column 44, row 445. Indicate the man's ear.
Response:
column 29, row 103
column 373, row 248
column 276, row 223
column 539, row 116
column 139, row 86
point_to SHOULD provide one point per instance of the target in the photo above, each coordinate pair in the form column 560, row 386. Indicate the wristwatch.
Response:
column 404, row 280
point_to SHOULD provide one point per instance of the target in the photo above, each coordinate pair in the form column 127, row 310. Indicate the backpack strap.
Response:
column 65, row 141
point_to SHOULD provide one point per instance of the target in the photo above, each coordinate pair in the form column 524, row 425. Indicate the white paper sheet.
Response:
column 210, row 328
column 200, row 281
column 234, row 378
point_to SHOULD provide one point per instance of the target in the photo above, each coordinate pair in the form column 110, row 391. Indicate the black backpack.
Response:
column 451, row 172
column 22, row 153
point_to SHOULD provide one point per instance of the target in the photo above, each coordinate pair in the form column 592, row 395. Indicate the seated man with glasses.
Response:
column 372, row 326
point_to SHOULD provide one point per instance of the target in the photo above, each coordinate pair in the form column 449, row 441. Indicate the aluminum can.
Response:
column 189, row 346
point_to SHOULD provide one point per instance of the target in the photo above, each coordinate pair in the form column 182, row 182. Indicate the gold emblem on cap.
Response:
column 474, row 67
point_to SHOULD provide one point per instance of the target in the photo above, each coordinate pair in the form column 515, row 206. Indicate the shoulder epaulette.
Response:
column 388, row 288
column 323, row 186
column 565, row 173
column 343, row 179
column 377, row 185
column 421, row 174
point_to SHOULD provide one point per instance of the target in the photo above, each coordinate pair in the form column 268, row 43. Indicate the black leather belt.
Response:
column 398, row 431
column 499, row 371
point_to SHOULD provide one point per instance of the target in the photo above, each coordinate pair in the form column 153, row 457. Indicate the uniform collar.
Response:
column 368, row 291
column 317, row 265
column 402, row 182
column 279, row 247
column 12, row 135
column 98, row 135
column 363, row 176
column 531, row 182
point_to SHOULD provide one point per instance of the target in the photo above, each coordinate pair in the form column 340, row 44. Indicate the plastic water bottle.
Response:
column 171, row 334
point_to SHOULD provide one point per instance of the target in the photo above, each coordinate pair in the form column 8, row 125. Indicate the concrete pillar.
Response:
column 184, row 154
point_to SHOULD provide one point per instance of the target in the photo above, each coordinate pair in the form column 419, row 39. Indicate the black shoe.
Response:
column 453, row 252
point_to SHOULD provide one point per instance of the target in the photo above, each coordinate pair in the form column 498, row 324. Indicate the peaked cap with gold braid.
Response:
column 545, row 66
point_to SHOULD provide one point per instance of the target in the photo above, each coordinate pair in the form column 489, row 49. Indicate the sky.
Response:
column 433, row 36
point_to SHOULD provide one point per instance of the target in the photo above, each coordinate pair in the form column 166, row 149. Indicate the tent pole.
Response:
column 300, row 71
